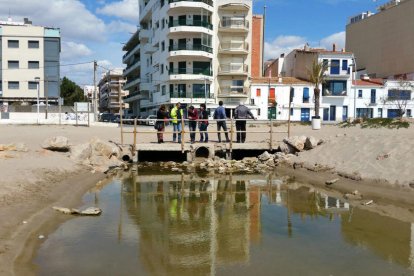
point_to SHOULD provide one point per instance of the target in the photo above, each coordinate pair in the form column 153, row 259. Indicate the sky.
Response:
column 96, row 29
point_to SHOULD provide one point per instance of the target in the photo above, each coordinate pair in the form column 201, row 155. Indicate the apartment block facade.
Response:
column 383, row 42
column 28, row 52
column 191, row 52
column 111, row 92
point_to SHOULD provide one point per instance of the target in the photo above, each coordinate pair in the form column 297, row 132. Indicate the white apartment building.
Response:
column 111, row 92
column 89, row 90
column 28, row 52
column 190, row 51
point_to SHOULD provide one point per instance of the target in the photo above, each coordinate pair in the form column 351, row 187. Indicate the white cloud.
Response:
column 71, row 16
column 125, row 9
column 282, row 44
column 72, row 50
column 121, row 27
column 337, row 38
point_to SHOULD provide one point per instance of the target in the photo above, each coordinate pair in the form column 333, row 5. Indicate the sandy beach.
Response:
column 32, row 182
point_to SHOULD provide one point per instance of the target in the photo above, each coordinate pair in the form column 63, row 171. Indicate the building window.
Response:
column 32, row 85
column 200, row 91
column 13, row 85
column 291, row 111
column 162, row 23
column 409, row 113
column 325, row 62
column 163, row 46
column 373, row 96
column 335, row 67
column 33, row 44
column 360, row 93
column 172, row 90
column 397, row 94
column 33, row 65
column 334, row 88
column 345, row 65
column 306, row 95
column 258, row 92
column 364, row 112
column 13, row 64
column 162, row 69
column 13, row 43
column 163, row 90
column 379, row 112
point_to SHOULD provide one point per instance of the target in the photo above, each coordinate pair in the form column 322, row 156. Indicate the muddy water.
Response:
column 225, row 225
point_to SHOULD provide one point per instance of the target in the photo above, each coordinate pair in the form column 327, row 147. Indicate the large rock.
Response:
column 14, row 147
column 297, row 142
column 81, row 153
column 265, row 156
column 101, row 148
column 311, row 143
column 287, row 149
column 57, row 143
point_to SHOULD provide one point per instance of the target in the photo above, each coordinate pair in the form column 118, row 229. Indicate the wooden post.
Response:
column 135, row 137
column 182, row 133
column 290, row 104
column 88, row 115
column 271, row 134
column 231, row 137
column 120, row 110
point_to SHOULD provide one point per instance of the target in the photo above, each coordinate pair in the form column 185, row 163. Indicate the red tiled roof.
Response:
column 274, row 80
column 370, row 82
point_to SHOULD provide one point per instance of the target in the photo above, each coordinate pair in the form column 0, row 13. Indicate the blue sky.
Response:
column 95, row 29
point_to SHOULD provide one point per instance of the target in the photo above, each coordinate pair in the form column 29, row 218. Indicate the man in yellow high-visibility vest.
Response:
column 176, row 115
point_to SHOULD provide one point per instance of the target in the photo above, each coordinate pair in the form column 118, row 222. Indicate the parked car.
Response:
column 151, row 119
column 108, row 117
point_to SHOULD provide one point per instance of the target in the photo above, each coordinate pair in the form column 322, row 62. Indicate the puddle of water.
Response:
column 232, row 225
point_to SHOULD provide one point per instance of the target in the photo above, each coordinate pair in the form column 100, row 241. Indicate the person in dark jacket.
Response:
column 242, row 113
column 162, row 117
column 220, row 116
column 203, row 123
column 192, row 122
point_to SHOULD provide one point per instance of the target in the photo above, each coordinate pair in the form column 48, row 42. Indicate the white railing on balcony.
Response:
column 234, row 46
column 233, row 68
column 233, row 91
column 234, row 23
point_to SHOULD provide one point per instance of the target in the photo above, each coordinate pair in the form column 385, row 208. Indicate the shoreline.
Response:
column 19, row 240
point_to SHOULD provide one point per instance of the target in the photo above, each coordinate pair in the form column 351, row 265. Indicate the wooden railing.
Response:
column 230, row 123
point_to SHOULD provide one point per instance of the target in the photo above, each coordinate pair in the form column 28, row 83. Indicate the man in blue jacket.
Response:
column 220, row 116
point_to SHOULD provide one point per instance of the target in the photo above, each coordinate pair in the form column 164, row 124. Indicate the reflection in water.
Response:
column 233, row 224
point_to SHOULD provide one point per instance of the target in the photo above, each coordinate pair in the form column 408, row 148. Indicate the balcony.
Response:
column 131, row 68
column 145, row 35
column 191, row 95
column 190, row 23
column 190, row 73
column 129, row 54
column 145, row 85
column 235, row 5
column 233, row 69
column 238, row 25
column 190, row 50
column 234, row 48
column 186, row 5
column 234, row 91
column 136, row 96
column 132, row 83
column 327, row 93
column 149, row 49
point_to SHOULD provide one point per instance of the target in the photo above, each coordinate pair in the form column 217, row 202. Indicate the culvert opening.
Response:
column 202, row 152
column 126, row 158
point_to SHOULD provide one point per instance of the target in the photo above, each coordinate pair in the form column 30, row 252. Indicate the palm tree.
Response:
column 317, row 77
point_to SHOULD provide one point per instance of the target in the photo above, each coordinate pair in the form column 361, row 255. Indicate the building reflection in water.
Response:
column 190, row 226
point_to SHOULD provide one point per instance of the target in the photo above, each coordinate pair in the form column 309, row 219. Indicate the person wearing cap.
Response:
column 242, row 113
column 220, row 116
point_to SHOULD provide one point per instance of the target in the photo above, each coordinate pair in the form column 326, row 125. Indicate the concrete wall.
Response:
column 383, row 43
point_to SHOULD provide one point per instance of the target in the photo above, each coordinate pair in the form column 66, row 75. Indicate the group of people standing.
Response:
column 200, row 118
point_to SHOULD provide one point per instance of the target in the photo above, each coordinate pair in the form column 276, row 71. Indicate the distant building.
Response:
column 383, row 43
column 110, row 87
column 273, row 68
column 89, row 90
column 257, row 46
column 28, row 52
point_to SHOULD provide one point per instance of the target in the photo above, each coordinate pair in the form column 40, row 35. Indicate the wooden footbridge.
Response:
column 262, row 135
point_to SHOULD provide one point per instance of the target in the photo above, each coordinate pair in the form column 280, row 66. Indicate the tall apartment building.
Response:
column 193, row 52
column 383, row 42
column 111, row 92
column 28, row 52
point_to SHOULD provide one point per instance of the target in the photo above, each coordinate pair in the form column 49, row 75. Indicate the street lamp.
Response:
column 37, row 80
column 353, row 82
